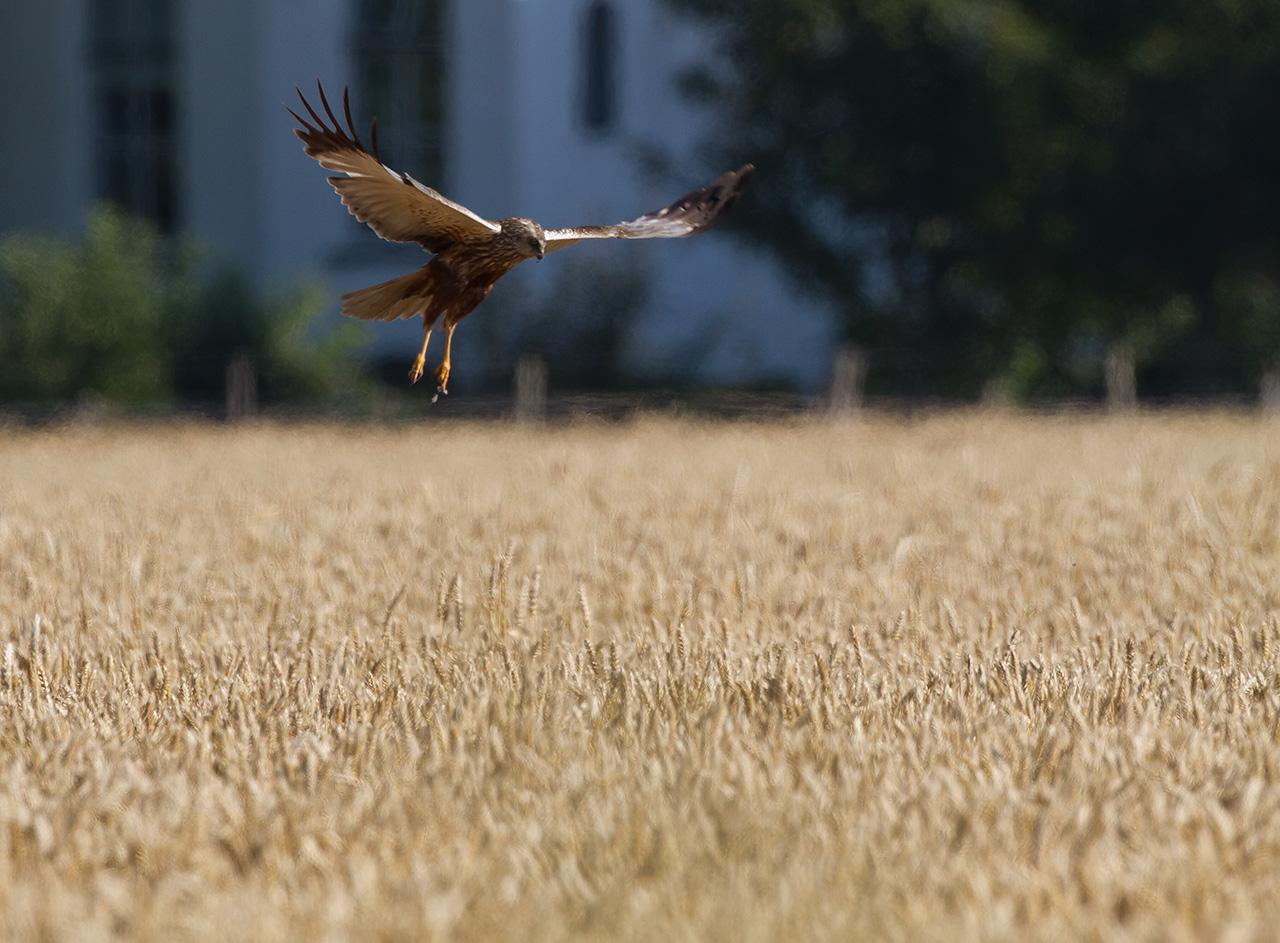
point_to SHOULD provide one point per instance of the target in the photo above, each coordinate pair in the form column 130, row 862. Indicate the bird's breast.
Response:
column 487, row 269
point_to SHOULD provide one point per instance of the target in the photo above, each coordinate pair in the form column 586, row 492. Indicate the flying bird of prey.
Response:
column 469, row 253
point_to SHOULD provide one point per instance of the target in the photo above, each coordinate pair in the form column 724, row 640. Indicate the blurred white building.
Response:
column 174, row 109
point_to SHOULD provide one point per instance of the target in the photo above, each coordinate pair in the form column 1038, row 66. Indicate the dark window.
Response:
column 399, row 48
column 599, row 68
column 131, row 55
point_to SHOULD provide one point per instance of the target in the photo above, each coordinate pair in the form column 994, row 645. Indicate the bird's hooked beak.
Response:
column 540, row 253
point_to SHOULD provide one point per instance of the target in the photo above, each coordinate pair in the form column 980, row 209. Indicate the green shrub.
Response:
column 120, row 318
column 85, row 321
column 229, row 319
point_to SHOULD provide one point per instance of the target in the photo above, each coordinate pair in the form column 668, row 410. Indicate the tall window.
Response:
column 131, row 54
column 599, row 67
column 401, row 71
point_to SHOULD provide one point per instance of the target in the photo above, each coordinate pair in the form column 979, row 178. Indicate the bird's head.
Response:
column 529, row 238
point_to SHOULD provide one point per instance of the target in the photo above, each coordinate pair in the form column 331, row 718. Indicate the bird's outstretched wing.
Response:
column 394, row 205
column 690, row 214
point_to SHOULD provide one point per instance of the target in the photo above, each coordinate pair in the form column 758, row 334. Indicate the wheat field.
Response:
column 962, row 676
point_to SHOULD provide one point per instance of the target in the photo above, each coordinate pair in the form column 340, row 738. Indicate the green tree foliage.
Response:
column 85, row 320
column 121, row 318
column 583, row 327
column 1006, row 182
column 229, row 318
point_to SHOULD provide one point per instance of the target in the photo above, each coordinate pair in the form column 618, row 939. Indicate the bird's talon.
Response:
column 416, row 371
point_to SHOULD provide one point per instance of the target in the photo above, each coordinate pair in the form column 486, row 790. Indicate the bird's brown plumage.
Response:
column 470, row 253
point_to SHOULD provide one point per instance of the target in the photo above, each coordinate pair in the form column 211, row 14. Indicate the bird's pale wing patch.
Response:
column 692, row 213
column 394, row 205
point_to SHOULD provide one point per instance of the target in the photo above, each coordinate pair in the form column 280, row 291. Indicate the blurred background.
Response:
column 957, row 200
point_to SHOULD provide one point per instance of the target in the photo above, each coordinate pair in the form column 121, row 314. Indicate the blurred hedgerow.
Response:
column 228, row 319
column 123, row 317
column 86, row 320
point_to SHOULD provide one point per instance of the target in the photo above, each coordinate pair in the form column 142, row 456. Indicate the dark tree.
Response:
column 1004, row 189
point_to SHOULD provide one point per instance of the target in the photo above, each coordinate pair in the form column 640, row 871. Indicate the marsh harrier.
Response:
column 469, row 253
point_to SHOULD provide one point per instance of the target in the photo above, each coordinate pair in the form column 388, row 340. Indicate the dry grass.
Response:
column 967, row 677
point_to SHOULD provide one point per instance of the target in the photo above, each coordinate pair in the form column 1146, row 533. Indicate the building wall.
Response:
column 45, row 119
column 224, row 176
column 516, row 146
column 712, row 301
column 301, row 218
column 484, row 153
column 481, row 171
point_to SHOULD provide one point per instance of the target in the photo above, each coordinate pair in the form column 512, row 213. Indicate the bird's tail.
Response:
column 403, row 297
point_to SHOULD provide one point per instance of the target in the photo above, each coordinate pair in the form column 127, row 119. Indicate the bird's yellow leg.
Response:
column 442, row 374
column 420, row 364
